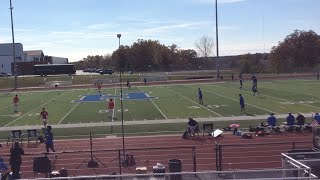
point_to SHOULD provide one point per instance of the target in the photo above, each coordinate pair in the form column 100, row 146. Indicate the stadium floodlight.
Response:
column 217, row 41
column 121, row 104
column 13, row 50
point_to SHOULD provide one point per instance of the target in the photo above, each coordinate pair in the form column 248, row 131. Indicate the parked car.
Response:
column 106, row 71
column 5, row 74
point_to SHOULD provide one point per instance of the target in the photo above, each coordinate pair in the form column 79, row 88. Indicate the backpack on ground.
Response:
column 185, row 135
column 246, row 136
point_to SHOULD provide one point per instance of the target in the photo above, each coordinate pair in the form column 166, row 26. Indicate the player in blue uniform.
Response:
column 200, row 96
column 242, row 110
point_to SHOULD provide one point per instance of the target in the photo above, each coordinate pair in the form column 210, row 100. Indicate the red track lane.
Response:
column 242, row 156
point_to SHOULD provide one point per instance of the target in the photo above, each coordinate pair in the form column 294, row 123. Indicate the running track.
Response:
column 243, row 156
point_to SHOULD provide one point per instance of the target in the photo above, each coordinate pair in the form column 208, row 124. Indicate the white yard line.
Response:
column 272, row 97
column 195, row 102
column 238, row 101
column 155, row 106
column 34, row 109
column 72, row 109
column 293, row 92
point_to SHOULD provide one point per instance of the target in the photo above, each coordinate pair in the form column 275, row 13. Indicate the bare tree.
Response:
column 204, row 46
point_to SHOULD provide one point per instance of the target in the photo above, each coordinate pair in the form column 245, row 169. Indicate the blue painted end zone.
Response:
column 138, row 96
column 128, row 96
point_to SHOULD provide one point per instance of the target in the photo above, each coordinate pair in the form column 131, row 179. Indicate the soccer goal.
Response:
column 58, row 83
column 151, row 77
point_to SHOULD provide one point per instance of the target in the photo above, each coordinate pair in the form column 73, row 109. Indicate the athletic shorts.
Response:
column 242, row 105
column 44, row 120
column 15, row 104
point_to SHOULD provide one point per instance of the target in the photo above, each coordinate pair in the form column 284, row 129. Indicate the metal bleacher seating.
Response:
column 15, row 135
column 32, row 134
column 207, row 128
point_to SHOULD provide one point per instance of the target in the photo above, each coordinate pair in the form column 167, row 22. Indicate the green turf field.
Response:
column 170, row 102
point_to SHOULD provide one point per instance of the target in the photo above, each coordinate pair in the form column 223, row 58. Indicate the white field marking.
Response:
column 293, row 92
column 273, row 97
column 168, row 85
column 115, row 94
column 35, row 109
column 238, row 101
column 195, row 102
column 19, row 102
column 155, row 106
column 72, row 109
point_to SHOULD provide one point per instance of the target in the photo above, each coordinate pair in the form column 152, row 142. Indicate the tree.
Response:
column 204, row 46
column 299, row 50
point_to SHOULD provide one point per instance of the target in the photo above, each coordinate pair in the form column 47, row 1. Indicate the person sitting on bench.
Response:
column 300, row 120
column 272, row 121
column 192, row 126
column 290, row 122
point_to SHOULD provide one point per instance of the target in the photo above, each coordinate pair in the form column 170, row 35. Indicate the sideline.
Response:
column 146, row 122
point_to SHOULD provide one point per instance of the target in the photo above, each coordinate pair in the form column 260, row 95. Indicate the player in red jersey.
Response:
column 44, row 115
column 16, row 103
column 110, row 108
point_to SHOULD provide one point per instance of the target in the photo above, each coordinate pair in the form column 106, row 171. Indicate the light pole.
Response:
column 217, row 41
column 13, row 50
column 121, row 104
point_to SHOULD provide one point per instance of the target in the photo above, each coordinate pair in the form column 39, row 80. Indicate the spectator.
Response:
column 15, row 160
column 290, row 119
column 300, row 119
column 49, row 139
column 272, row 121
column 317, row 118
column 192, row 126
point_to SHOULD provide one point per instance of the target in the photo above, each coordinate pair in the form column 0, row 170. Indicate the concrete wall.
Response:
column 6, row 57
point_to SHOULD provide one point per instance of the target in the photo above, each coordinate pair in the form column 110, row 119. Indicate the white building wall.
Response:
column 59, row 60
column 32, row 58
column 6, row 56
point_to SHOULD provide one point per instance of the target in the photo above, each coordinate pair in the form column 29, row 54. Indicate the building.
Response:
column 6, row 56
column 35, row 55
column 59, row 60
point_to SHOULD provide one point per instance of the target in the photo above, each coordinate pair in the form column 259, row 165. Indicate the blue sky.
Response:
column 77, row 28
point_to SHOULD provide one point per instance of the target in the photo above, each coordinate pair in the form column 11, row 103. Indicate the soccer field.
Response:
column 161, row 102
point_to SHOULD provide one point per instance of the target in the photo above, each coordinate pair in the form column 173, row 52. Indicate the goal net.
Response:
column 58, row 83
column 150, row 77
column 106, row 81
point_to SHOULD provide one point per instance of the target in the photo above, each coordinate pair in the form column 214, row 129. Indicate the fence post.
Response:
column 119, row 157
column 220, row 157
column 194, row 159
column 217, row 156
column 293, row 145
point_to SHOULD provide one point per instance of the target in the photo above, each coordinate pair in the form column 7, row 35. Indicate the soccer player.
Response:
column 99, row 88
column 44, row 115
column 16, row 103
column 240, row 83
column 145, row 81
column 200, row 96
column 255, row 90
column 110, row 108
column 128, row 84
column 242, row 110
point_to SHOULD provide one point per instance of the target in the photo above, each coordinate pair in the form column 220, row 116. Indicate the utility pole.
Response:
column 13, row 50
column 217, row 42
